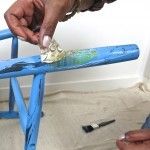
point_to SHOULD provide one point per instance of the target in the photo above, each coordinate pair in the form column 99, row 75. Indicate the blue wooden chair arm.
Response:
column 73, row 60
column 5, row 34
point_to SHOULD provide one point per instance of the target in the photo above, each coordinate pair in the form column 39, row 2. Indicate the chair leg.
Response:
column 11, row 114
column 146, row 125
column 11, row 99
column 14, row 54
column 34, row 112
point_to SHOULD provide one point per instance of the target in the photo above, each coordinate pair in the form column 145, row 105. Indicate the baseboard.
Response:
column 146, row 84
column 85, row 86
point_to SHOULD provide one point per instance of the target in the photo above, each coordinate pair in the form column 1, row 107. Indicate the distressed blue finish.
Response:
column 34, row 112
column 8, row 115
column 11, row 99
column 30, row 116
column 14, row 54
column 5, row 34
column 78, row 59
column 20, row 103
column 146, row 125
column 14, row 47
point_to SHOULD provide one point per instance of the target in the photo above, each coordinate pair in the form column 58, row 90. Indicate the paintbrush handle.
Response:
column 106, row 123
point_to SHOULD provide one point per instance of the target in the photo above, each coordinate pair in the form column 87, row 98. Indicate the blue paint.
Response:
column 5, row 34
column 146, row 125
column 30, row 117
column 14, row 54
column 8, row 115
column 33, row 65
column 34, row 112
column 11, row 114
column 22, row 110
column 14, row 48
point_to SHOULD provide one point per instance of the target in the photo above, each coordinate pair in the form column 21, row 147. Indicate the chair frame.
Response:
column 29, row 117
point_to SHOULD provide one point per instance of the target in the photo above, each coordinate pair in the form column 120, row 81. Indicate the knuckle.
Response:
column 6, row 14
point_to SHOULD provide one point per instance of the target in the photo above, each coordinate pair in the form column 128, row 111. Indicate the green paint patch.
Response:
column 78, row 57
column 81, row 57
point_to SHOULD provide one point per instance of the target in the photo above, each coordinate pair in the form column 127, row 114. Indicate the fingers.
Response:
column 135, row 140
column 38, row 3
column 14, row 24
column 31, row 36
column 18, row 27
column 18, row 18
column 138, row 135
column 49, row 24
column 123, row 145
column 24, row 19
column 54, row 11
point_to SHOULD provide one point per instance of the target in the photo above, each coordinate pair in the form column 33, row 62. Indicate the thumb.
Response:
column 53, row 13
column 138, row 135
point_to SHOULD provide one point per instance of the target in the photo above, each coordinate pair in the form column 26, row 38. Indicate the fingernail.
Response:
column 42, row 5
column 122, row 137
column 46, row 41
column 21, row 38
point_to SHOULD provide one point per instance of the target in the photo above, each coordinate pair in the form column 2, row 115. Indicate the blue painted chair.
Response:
column 16, row 67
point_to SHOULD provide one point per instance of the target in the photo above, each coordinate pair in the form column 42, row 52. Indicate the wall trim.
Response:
column 81, row 86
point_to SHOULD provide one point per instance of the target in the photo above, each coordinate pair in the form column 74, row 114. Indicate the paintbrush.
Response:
column 94, row 126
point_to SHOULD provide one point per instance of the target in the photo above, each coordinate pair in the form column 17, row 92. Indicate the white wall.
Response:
column 122, row 22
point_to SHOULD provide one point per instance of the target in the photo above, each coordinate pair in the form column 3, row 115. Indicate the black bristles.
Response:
column 88, row 128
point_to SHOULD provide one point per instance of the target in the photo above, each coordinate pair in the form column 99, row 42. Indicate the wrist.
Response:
column 93, row 5
column 99, row 4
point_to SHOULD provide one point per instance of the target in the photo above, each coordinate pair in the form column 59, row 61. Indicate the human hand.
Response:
column 135, row 140
column 35, row 20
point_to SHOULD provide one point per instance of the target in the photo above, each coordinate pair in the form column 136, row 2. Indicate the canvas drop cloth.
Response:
column 66, row 111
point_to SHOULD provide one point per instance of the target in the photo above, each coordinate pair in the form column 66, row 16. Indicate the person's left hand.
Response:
column 135, row 140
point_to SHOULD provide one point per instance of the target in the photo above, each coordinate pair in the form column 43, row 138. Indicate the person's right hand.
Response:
column 35, row 20
column 135, row 140
column 23, row 17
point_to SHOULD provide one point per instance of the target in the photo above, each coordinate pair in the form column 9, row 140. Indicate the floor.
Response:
column 67, row 111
